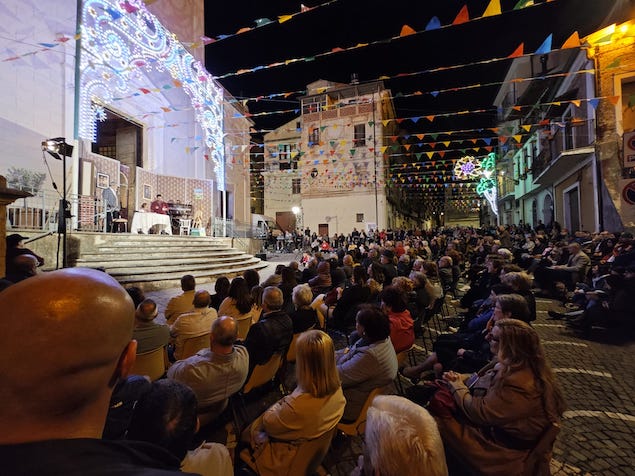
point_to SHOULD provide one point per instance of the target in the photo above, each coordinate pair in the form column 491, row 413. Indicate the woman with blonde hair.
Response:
column 503, row 413
column 312, row 409
column 402, row 439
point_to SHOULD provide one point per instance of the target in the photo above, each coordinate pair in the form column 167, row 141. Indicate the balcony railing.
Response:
column 567, row 138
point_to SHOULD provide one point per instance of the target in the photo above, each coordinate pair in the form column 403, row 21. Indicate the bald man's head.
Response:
column 66, row 342
column 202, row 299
column 224, row 331
column 26, row 264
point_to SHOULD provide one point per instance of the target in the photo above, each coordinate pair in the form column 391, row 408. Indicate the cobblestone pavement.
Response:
column 598, row 378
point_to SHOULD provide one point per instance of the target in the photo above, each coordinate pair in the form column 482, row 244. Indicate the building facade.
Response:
column 336, row 174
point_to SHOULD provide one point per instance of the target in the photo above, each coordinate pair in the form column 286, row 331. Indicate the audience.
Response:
column 216, row 373
column 304, row 317
column 54, row 409
column 311, row 410
column 401, row 439
column 272, row 333
column 166, row 417
column 194, row 323
column 23, row 266
column 148, row 334
column 221, row 290
column 369, row 363
column 502, row 414
column 183, row 302
column 394, row 303
column 240, row 305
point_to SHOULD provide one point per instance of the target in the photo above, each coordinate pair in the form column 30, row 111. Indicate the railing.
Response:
column 567, row 138
column 233, row 228
column 41, row 212
column 38, row 212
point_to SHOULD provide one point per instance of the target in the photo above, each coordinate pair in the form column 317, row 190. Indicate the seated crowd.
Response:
column 492, row 397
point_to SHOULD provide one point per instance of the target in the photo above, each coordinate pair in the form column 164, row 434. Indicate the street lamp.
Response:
column 55, row 147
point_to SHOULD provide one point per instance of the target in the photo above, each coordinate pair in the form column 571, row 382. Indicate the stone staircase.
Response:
column 159, row 261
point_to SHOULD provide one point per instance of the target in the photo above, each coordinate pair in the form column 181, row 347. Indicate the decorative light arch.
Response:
column 120, row 39
column 469, row 167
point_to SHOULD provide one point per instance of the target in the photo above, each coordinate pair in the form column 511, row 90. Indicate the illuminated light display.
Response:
column 487, row 184
column 467, row 167
column 122, row 40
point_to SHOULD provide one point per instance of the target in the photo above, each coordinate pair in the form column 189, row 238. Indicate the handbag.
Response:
column 442, row 403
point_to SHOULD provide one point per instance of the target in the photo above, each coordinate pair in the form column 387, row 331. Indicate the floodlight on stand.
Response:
column 55, row 147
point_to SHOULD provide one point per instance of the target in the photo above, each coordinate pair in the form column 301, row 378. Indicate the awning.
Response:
column 564, row 165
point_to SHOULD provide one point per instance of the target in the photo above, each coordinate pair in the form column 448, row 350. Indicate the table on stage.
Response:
column 142, row 222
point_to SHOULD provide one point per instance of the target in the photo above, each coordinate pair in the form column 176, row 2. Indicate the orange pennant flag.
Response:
column 407, row 30
column 613, row 99
column 576, row 102
column 494, row 8
column 573, row 41
column 516, row 108
column 520, row 51
column 420, row 136
column 430, row 118
column 462, row 17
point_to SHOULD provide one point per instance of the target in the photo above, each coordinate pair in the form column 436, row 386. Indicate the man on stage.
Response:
column 159, row 206
column 111, row 205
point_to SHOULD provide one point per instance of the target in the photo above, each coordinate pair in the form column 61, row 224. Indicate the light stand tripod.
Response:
column 55, row 147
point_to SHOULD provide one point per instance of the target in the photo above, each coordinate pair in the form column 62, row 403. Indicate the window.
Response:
column 108, row 151
column 296, row 186
column 315, row 104
column 285, row 156
column 314, row 136
column 360, row 218
column 359, row 135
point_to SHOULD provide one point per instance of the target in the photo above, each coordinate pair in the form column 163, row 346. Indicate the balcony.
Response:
column 561, row 151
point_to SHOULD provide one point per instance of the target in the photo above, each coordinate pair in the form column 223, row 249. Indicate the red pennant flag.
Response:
column 520, row 51
column 462, row 17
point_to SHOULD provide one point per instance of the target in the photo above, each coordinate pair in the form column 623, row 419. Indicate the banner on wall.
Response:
column 627, row 209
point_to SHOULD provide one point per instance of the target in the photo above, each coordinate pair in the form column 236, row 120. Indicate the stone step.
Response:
column 165, row 244
column 165, row 280
column 144, row 253
column 117, row 263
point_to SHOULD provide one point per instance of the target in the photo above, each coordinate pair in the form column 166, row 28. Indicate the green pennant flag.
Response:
column 614, row 64
column 352, row 151
column 371, row 123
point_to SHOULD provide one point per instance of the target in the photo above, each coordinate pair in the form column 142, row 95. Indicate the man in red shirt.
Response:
column 159, row 206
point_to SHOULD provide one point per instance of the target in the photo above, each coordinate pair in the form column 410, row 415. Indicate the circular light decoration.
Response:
column 467, row 167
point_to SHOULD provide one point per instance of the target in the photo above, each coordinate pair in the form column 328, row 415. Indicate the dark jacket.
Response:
column 271, row 334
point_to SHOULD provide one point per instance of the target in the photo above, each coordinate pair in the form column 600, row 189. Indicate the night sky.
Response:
column 346, row 23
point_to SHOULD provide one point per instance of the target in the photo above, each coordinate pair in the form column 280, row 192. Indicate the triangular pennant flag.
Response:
column 613, row 99
column 433, row 24
column 371, row 123
column 613, row 64
column 462, row 17
column 406, row 31
column 494, row 8
column 430, row 118
column 526, row 127
column 518, row 138
column 352, row 151
column 386, row 122
column 572, row 42
column 594, row 102
column 283, row 18
column 546, row 46
column 576, row 102
column 519, row 51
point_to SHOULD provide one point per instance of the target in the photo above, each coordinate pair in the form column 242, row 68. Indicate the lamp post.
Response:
column 55, row 147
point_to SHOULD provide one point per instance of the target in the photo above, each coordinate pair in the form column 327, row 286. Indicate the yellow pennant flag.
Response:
column 576, row 102
column 283, row 18
column 518, row 138
column 494, row 8
column 526, row 127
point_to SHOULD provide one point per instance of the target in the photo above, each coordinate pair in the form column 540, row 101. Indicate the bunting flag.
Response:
column 572, row 42
column 462, row 17
column 519, row 51
column 406, row 31
column 545, row 47
column 494, row 8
